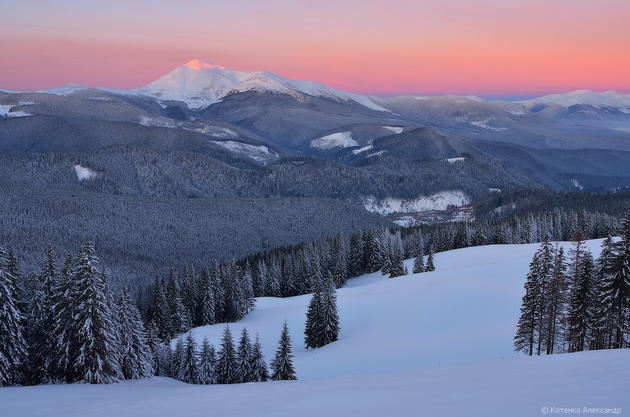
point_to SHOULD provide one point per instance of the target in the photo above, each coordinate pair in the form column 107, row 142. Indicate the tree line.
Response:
column 576, row 303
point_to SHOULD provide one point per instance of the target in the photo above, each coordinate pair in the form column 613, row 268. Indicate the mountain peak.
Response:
column 198, row 64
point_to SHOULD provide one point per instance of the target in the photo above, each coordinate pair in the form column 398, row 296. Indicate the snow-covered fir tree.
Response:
column 135, row 356
column 13, row 348
column 93, row 331
column 206, row 306
column 418, row 263
column 581, row 303
column 430, row 264
column 226, row 372
column 282, row 364
column 617, row 289
column 555, row 299
column 207, row 363
column 189, row 367
column 244, row 361
column 176, row 313
column 176, row 359
column 259, row 366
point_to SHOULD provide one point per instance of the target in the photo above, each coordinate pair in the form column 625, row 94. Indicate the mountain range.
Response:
column 259, row 146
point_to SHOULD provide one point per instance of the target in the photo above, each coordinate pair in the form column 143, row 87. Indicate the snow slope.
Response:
column 516, row 388
column 199, row 83
column 434, row 344
column 334, row 140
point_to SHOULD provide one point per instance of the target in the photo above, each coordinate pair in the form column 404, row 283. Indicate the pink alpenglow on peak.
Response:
column 198, row 64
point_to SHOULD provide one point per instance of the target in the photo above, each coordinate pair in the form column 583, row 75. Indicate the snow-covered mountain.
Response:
column 199, row 83
column 592, row 98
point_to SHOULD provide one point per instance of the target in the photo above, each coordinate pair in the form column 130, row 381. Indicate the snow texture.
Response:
column 434, row 344
column 437, row 201
column 84, row 173
column 335, row 140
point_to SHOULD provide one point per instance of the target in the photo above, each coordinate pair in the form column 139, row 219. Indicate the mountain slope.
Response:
column 199, row 83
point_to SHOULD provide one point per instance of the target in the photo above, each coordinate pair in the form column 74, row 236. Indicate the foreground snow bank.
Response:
column 434, row 344
column 511, row 387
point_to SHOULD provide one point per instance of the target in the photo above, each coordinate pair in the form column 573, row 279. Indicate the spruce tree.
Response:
column 13, row 348
column 135, row 355
column 161, row 316
column 189, row 368
column 373, row 256
column 207, row 363
column 581, row 303
column 430, row 266
column 162, row 358
column 177, row 359
column 282, row 364
column 601, row 318
column 259, row 367
column 62, row 323
column 226, row 372
column 206, row 300
column 312, row 328
column 396, row 268
column 357, row 252
column 94, row 330
column 244, row 369
column 617, row 288
column 329, row 316
column 176, row 310
column 526, row 328
column 418, row 263
column 555, row 300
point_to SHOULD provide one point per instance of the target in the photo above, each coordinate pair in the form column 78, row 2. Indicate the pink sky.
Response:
column 485, row 47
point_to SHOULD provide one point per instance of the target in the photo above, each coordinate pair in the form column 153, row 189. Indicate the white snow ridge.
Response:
column 84, row 173
column 335, row 140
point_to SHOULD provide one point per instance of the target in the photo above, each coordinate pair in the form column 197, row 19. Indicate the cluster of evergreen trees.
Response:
column 221, row 293
column 225, row 293
column 558, row 225
column 63, row 325
column 577, row 304
column 230, row 365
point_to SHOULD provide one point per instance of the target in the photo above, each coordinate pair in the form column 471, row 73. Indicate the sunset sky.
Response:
column 511, row 48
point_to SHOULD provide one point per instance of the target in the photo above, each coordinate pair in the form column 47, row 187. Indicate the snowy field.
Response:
column 434, row 344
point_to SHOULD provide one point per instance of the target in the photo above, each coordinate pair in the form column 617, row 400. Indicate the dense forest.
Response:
column 574, row 302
